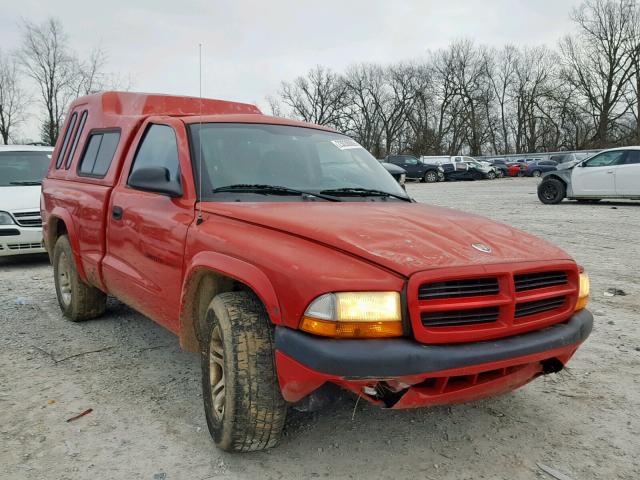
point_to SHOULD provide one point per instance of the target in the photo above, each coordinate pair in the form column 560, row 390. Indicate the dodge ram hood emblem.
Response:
column 481, row 247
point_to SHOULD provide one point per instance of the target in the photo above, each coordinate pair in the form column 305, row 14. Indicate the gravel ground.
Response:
column 147, row 420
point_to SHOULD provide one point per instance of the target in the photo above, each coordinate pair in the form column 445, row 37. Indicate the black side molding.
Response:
column 394, row 357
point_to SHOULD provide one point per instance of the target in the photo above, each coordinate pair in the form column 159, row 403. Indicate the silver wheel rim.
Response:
column 216, row 373
column 64, row 279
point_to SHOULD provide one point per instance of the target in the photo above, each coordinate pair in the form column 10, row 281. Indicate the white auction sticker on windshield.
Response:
column 346, row 144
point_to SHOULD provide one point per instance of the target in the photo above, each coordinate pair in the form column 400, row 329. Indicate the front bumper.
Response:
column 17, row 240
column 419, row 374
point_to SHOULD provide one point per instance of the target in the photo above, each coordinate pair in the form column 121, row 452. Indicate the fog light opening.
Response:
column 384, row 392
column 552, row 365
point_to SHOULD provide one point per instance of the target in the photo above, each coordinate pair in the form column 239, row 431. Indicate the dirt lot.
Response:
column 147, row 420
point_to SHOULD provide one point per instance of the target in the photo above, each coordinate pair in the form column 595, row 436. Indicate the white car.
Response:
column 613, row 173
column 22, row 168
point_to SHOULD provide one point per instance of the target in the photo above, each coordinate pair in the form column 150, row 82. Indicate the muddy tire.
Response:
column 551, row 191
column 77, row 299
column 243, row 405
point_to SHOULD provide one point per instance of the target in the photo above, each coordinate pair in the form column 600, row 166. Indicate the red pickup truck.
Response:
column 291, row 260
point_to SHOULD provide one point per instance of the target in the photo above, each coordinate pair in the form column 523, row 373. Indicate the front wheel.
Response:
column 243, row 405
column 491, row 175
column 430, row 177
column 551, row 191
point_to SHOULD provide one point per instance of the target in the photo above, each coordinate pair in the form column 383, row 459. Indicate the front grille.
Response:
column 28, row 219
column 473, row 287
column 9, row 232
column 460, row 317
column 24, row 246
column 525, row 309
column 531, row 281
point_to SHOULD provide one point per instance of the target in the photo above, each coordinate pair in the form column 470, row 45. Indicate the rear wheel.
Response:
column 551, row 191
column 536, row 173
column 77, row 299
column 431, row 176
column 243, row 405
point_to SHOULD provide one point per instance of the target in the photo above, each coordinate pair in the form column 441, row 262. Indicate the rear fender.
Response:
column 59, row 214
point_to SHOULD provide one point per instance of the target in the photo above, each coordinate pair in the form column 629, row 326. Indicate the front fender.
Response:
column 562, row 175
column 239, row 270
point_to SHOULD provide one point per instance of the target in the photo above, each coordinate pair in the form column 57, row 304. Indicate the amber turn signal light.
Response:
column 331, row 328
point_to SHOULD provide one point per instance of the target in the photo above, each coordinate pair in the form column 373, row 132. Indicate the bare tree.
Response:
column 46, row 58
column 365, row 83
column 317, row 98
column 13, row 99
column 597, row 60
column 274, row 105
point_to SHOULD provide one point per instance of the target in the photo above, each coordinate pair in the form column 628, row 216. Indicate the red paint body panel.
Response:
column 289, row 253
column 440, row 388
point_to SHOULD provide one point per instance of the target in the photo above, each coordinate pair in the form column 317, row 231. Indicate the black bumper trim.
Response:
column 396, row 357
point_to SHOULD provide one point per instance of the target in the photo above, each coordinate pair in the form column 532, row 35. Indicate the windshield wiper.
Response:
column 363, row 192
column 33, row 182
column 271, row 190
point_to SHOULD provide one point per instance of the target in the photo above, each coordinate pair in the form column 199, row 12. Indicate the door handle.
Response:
column 609, row 171
column 116, row 213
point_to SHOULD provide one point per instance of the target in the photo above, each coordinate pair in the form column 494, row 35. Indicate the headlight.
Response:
column 583, row 293
column 440, row 169
column 403, row 178
column 6, row 219
column 354, row 315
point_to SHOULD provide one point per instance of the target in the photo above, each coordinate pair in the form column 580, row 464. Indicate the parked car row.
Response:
column 440, row 168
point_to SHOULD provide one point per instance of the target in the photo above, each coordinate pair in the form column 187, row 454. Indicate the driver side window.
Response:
column 410, row 161
column 606, row 159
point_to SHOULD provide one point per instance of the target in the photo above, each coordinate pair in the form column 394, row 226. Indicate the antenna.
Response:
column 199, row 220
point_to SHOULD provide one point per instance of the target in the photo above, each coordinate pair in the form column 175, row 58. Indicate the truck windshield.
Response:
column 296, row 158
column 23, row 168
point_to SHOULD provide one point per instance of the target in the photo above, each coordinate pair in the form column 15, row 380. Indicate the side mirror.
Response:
column 155, row 179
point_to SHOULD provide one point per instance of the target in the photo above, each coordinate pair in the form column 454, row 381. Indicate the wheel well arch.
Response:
column 57, row 228
column 201, row 286
column 555, row 177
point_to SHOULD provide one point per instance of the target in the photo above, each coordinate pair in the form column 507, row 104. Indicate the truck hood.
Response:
column 20, row 197
column 403, row 237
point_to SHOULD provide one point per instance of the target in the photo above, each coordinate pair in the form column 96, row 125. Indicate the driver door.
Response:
column 146, row 229
column 596, row 176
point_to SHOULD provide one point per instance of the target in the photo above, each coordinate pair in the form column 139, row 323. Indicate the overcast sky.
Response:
column 251, row 46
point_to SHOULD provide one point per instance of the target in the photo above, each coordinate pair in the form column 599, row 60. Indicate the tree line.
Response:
column 59, row 74
column 469, row 98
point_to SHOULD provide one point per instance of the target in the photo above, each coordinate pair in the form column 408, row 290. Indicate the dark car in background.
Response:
column 399, row 173
column 538, row 167
column 462, row 171
column 500, row 164
column 416, row 168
